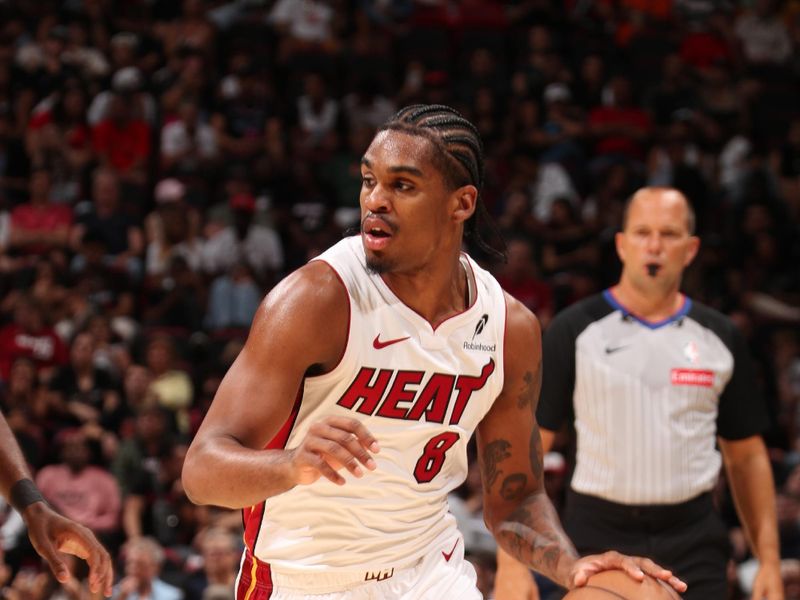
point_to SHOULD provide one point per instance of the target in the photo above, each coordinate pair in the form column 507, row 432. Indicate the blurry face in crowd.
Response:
column 519, row 256
column 188, row 113
column 408, row 212
column 137, row 380
column 22, row 378
column 82, row 350
column 139, row 564
column 105, row 191
column 40, row 186
column 159, row 356
column 151, row 424
column 656, row 244
column 219, row 553
column 74, row 103
column 75, row 452
column 29, row 316
column 119, row 109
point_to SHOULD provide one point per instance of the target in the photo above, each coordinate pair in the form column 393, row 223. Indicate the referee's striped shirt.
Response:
column 648, row 399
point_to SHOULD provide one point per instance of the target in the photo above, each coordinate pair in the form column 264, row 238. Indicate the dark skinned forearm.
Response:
column 532, row 532
column 530, row 529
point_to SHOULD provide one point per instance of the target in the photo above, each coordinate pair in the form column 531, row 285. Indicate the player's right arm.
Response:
column 301, row 325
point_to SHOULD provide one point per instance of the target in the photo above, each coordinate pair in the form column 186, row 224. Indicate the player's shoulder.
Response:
column 312, row 291
column 520, row 320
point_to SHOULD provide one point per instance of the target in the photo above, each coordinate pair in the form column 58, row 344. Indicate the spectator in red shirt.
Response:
column 122, row 140
column 620, row 128
column 39, row 226
column 29, row 336
column 520, row 278
column 710, row 42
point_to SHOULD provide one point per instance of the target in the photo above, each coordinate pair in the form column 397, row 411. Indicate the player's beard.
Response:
column 377, row 265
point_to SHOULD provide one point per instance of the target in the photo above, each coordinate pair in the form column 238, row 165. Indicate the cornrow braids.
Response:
column 459, row 152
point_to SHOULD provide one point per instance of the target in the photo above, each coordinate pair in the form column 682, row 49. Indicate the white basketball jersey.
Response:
column 421, row 392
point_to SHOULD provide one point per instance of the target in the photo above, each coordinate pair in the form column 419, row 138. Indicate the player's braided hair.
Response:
column 459, row 152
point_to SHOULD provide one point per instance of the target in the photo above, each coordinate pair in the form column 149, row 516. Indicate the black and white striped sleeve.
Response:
column 558, row 372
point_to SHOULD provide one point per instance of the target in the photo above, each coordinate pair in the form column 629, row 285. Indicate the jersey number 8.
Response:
column 433, row 455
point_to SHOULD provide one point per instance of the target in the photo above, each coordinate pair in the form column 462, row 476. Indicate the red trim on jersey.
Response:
column 349, row 311
column 255, row 580
column 506, row 296
column 253, row 516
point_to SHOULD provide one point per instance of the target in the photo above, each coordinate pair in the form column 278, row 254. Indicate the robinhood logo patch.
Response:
column 481, row 324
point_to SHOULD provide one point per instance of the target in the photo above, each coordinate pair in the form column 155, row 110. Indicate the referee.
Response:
column 655, row 383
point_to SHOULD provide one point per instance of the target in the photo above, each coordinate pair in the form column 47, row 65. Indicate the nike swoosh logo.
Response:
column 378, row 344
column 448, row 555
column 611, row 350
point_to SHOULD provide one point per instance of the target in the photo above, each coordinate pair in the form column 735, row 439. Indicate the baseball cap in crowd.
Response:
column 557, row 92
column 125, row 38
column 169, row 191
column 127, row 80
column 243, row 201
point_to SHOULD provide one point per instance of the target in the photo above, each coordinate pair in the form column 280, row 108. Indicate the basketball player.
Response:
column 343, row 424
column 654, row 381
column 51, row 535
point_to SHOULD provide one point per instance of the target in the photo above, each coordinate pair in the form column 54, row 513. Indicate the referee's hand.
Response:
column 635, row 566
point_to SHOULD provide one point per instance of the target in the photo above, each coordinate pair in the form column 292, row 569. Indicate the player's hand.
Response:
column 51, row 534
column 634, row 566
column 768, row 584
column 333, row 443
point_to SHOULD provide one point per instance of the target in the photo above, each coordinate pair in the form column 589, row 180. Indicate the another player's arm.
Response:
column 750, row 476
column 516, row 507
column 301, row 324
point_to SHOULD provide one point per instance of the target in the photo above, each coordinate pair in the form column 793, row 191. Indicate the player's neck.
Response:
column 648, row 305
column 434, row 294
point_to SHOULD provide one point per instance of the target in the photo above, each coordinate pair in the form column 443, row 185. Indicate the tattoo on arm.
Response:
column 533, row 535
column 533, row 384
column 530, row 393
column 537, row 460
column 494, row 453
column 513, row 487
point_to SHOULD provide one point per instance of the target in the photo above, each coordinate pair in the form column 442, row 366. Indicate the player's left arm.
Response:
column 516, row 507
column 515, row 504
column 750, row 478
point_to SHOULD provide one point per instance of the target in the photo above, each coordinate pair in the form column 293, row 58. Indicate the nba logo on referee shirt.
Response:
column 691, row 352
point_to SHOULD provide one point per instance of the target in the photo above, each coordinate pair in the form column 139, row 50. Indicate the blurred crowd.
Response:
column 164, row 163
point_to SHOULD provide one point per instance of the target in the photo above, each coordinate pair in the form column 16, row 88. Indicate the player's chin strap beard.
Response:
column 469, row 288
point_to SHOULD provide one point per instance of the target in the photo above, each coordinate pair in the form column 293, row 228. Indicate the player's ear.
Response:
column 464, row 201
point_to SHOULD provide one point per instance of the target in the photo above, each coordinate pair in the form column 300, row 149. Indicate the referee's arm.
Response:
column 742, row 415
column 750, row 478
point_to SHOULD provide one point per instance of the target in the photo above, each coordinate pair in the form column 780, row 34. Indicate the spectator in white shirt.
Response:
column 188, row 145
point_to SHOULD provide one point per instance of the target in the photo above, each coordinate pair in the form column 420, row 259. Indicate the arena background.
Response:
column 163, row 164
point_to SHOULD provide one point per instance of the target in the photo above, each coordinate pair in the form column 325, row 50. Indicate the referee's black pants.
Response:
column 689, row 538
